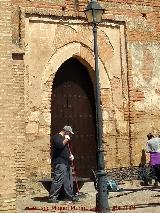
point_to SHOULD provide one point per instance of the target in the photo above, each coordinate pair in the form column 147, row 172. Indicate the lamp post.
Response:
column 94, row 14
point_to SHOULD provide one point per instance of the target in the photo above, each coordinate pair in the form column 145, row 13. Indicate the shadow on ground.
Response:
column 130, row 191
column 138, row 206
column 60, row 198
column 40, row 199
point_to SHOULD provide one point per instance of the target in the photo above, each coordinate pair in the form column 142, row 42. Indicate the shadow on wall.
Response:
column 143, row 158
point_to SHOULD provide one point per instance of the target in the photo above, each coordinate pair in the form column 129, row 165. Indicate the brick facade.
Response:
column 7, row 109
column 18, row 81
column 123, row 129
column 129, row 44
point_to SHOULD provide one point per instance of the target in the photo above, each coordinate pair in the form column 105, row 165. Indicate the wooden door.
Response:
column 73, row 104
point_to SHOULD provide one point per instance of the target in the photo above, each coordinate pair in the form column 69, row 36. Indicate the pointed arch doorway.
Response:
column 73, row 103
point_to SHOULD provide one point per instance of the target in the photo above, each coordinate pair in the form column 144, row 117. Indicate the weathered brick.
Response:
column 130, row 89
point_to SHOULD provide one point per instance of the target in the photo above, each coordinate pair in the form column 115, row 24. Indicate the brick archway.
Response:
column 86, row 57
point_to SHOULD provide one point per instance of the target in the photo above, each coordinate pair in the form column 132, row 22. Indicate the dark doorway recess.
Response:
column 73, row 103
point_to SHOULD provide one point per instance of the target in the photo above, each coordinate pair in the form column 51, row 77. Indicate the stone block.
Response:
column 32, row 128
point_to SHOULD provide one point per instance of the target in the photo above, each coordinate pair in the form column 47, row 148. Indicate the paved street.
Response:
column 135, row 197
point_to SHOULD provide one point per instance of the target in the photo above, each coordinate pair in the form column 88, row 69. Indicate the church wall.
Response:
column 129, row 64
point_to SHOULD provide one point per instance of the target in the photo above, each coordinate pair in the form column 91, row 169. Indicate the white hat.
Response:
column 68, row 129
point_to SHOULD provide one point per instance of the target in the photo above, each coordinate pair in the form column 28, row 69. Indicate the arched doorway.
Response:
column 73, row 104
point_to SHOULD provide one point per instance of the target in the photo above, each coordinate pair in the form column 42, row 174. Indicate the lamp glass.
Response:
column 98, row 15
column 94, row 16
column 89, row 15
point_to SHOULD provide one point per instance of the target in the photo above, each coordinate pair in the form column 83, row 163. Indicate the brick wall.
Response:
column 142, row 45
column 142, row 23
column 142, row 35
column 19, row 149
column 7, row 133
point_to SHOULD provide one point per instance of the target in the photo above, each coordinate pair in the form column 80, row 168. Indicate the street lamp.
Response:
column 94, row 14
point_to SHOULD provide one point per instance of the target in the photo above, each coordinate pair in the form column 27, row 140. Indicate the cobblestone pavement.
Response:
column 144, row 199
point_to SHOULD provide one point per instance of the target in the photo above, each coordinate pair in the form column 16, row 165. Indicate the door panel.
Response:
column 73, row 104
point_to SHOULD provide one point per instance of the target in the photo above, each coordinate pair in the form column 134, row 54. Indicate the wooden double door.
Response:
column 73, row 104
